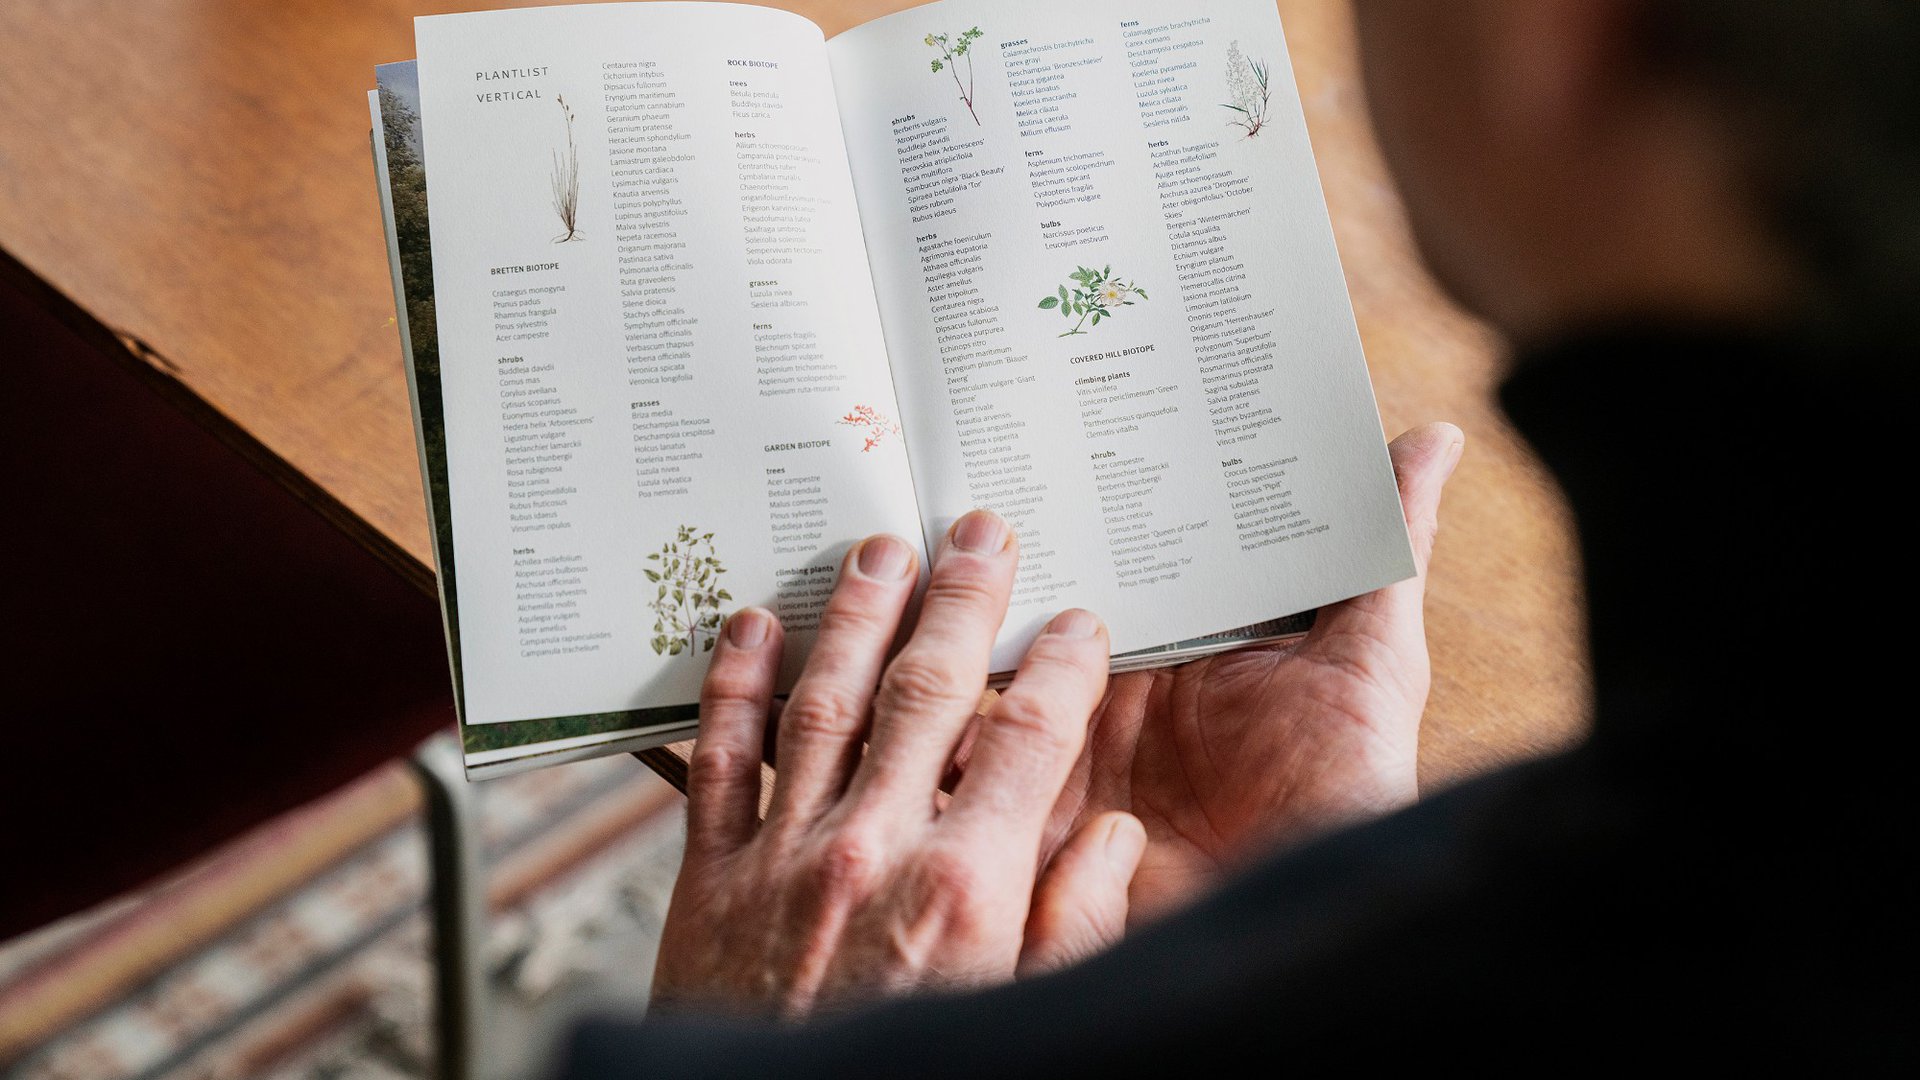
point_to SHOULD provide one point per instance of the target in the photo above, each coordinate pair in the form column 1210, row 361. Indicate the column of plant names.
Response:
column 780, row 208
column 649, row 155
column 543, row 429
column 780, row 205
column 1126, row 402
column 1207, row 198
column 986, row 375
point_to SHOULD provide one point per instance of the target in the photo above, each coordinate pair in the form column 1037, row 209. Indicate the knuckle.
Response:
column 822, row 712
column 729, row 684
column 849, row 863
column 965, row 583
column 1044, row 730
column 1425, row 531
column 917, row 684
column 847, row 614
column 1064, row 662
column 952, row 875
column 713, row 763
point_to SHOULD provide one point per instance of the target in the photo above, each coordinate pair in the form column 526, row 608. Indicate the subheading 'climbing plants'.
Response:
column 686, row 609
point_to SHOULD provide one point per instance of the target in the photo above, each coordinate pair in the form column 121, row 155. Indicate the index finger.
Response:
column 1028, row 744
column 928, row 694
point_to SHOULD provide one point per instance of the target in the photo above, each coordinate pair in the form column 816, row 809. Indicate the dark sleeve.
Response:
column 1408, row 935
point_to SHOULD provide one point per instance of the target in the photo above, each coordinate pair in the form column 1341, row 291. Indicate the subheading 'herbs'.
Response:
column 686, row 610
column 1094, row 295
column 951, row 54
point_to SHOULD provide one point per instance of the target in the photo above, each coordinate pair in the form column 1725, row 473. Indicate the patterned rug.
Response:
column 300, row 951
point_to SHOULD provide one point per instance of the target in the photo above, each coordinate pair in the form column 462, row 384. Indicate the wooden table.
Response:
column 194, row 176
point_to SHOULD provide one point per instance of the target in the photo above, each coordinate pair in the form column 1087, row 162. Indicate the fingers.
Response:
column 1080, row 904
column 1423, row 459
column 931, row 689
column 825, row 717
column 723, row 782
column 1031, row 739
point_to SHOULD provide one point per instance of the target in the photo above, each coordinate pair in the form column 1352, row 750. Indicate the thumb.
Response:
column 1080, row 904
column 1423, row 460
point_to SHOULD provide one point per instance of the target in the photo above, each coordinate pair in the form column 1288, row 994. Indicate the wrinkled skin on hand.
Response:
column 865, row 878
column 1226, row 757
column 1075, row 804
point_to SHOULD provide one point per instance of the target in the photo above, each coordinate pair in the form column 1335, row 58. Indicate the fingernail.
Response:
column 980, row 531
column 884, row 558
column 1074, row 623
column 748, row 627
column 1124, row 841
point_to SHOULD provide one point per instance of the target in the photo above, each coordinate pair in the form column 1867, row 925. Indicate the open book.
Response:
column 695, row 299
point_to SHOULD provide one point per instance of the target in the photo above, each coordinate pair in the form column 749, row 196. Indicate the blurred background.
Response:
column 302, row 949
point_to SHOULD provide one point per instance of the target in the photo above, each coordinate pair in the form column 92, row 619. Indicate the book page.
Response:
column 664, row 383
column 1114, row 310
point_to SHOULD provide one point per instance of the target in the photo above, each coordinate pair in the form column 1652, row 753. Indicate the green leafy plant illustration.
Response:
column 1094, row 295
column 951, row 55
column 686, row 610
column 565, row 180
column 1247, row 84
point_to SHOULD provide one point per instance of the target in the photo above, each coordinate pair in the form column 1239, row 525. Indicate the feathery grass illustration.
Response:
column 566, row 182
column 1247, row 82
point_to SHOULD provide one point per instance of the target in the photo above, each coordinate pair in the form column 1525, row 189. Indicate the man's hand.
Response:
column 865, row 879
column 1224, row 758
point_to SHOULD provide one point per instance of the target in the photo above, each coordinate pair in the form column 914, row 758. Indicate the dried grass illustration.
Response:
column 566, row 182
column 1247, row 82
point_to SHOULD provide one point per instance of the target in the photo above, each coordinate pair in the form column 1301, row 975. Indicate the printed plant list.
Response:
column 1114, row 308
column 666, row 390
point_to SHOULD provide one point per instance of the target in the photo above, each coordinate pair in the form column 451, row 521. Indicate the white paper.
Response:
column 1210, row 455
column 682, row 355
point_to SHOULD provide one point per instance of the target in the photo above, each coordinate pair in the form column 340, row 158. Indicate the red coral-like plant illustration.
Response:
column 877, row 423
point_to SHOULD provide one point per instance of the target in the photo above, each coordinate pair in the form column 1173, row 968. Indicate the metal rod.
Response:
column 456, row 902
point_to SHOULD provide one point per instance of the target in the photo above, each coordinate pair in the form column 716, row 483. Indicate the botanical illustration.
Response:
column 951, row 54
column 878, row 425
column 686, row 610
column 1093, row 296
column 1247, row 83
column 566, row 182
